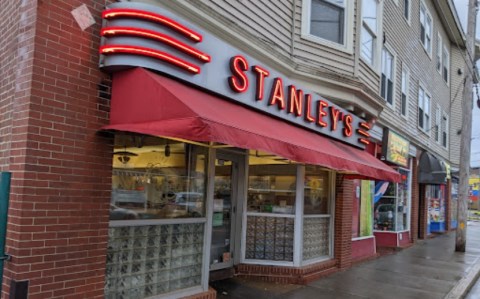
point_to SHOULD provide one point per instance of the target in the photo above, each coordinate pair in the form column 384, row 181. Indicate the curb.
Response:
column 464, row 285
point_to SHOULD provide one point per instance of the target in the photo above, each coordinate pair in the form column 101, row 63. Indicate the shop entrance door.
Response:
column 225, row 203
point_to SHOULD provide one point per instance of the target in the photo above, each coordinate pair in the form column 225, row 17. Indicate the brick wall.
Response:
column 343, row 221
column 61, row 166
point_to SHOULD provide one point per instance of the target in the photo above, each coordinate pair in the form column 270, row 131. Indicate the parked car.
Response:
column 117, row 213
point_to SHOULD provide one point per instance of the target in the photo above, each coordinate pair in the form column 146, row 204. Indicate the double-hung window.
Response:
column 438, row 117
column 369, row 30
column 326, row 19
column 404, row 99
column 406, row 9
column 423, row 109
column 439, row 53
column 445, row 130
column 446, row 64
column 425, row 28
column 386, row 86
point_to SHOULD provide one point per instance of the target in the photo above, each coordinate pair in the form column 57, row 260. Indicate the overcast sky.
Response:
column 462, row 10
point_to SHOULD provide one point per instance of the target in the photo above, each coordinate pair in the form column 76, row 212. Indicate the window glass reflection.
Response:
column 155, row 178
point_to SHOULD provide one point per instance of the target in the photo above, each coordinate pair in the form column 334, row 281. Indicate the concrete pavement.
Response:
column 430, row 269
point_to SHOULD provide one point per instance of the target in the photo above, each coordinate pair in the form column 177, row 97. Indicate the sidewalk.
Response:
column 430, row 269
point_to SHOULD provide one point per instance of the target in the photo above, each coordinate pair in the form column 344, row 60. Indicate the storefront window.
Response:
column 154, row 180
column 271, row 189
column 317, row 219
column 362, row 216
column 270, row 209
column 158, row 180
column 435, row 196
column 392, row 204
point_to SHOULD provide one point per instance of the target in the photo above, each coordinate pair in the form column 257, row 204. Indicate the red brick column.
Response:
column 343, row 221
column 415, row 203
column 61, row 166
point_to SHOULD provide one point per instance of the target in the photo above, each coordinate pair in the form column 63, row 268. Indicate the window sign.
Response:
column 395, row 148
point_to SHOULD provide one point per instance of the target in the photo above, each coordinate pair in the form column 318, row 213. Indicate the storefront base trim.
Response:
column 210, row 294
column 363, row 248
column 279, row 274
column 391, row 239
column 437, row 227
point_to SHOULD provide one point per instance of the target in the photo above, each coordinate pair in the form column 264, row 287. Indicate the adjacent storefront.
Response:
column 433, row 177
column 248, row 169
column 392, row 201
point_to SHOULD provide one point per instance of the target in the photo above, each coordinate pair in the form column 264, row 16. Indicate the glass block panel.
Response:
column 269, row 238
column 145, row 261
column 316, row 239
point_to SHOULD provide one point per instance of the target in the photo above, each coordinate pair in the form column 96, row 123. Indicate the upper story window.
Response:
column 386, row 86
column 439, row 53
column 424, row 100
column 438, row 117
column 406, row 9
column 404, row 99
column 446, row 64
column 369, row 30
column 445, row 130
column 426, row 28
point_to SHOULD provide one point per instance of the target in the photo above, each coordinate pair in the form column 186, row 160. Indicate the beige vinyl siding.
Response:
column 405, row 40
column 270, row 21
column 456, row 112
column 369, row 77
column 318, row 54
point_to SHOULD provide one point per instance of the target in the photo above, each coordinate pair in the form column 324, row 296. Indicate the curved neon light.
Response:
column 365, row 125
column 142, row 14
column 114, row 49
column 364, row 141
column 362, row 132
column 112, row 31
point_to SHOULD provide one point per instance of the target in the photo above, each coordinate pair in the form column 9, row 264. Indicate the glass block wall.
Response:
column 269, row 238
column 316, row 237
column 143, row 261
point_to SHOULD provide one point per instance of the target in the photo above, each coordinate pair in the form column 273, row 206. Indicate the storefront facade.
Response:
column 152, row 150
column 200, row 206
column 433, row 195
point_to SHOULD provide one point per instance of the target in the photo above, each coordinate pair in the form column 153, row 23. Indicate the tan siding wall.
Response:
column 456, row 114
column 314, row 53
column 405, row 40
column 270, row 21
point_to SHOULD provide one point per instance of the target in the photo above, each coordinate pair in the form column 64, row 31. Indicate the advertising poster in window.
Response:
column 366, row 209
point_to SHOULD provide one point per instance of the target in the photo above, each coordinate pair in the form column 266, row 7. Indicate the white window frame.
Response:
column 409, row 9
column 347, row 46
column 377, row 45
column 439, row 58
column 438, row 125
column 421, row 102
column 405, row 89
column 427, row 16
column 446, row 64
column 445, row 129
column 393, row 72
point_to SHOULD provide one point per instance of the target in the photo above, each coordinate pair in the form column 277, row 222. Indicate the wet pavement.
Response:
column 430, row 269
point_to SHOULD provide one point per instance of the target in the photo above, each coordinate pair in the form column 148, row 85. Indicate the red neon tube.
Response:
column 113, row 49
column 113, row 31
column 142, row 14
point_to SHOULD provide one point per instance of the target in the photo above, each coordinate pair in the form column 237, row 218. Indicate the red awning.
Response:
column 144, row 102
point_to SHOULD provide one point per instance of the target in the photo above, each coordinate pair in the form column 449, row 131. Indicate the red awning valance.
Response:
column 147, row 103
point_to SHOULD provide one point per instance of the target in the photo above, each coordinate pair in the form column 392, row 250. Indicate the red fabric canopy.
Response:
column 148, row 103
